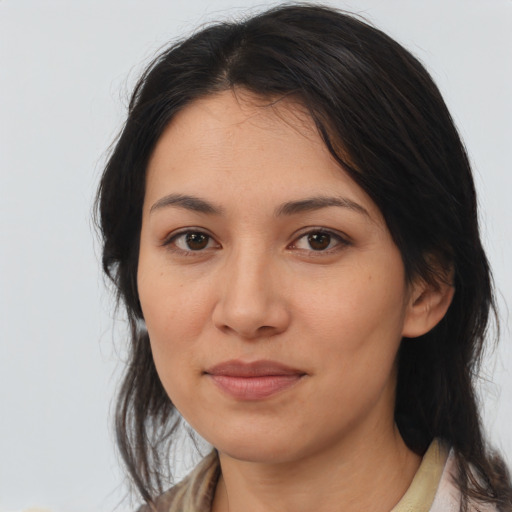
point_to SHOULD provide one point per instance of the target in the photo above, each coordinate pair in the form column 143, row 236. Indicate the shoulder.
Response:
column 194, row 493
column 448, row 495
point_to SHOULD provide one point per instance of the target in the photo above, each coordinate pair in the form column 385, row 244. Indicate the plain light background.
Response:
column 66, row 68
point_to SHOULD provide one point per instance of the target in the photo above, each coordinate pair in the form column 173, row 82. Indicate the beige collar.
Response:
column 421, row 493
column 195, row 493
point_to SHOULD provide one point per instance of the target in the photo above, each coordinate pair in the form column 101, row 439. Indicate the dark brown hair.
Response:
column 382, row 117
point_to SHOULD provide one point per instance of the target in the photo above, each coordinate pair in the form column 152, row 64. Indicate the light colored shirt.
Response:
column 432, row 489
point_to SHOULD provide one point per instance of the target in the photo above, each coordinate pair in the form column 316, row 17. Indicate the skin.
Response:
column 249, row 286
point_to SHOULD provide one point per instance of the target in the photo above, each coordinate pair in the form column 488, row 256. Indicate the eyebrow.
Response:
column 196, row 204
column 317, row 203
column 188, row 203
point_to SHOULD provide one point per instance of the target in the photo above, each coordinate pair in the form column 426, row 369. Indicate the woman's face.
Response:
column 273, row 294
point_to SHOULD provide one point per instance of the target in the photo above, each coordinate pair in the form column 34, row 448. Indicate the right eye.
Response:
column 191, row 241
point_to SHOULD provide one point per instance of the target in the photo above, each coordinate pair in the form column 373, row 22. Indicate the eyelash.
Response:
column 340, row 242
column 170, row 242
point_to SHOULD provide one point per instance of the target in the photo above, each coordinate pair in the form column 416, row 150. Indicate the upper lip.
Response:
column 236, row 368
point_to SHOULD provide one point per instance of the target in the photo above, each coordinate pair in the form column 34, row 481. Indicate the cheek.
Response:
column 175, row 315
column 172, row 326
column 173, row 307
column 357, row 321
column 358, row 303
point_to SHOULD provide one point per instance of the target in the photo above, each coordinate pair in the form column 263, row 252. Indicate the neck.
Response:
column 368, row 473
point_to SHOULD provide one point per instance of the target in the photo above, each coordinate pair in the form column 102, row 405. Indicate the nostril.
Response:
column 267, row 330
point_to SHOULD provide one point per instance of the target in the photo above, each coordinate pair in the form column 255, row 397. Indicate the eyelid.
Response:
column 342, row 238
column 171, row 237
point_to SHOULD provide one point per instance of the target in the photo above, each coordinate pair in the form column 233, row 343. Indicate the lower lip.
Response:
column 255, row 388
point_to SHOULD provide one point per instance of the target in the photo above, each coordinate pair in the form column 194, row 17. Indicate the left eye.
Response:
column 192, row 241
column 318, row 241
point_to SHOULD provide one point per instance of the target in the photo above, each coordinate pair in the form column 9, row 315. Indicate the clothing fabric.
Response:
column 432, row 490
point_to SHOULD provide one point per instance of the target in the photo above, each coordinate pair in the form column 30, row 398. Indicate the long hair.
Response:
column 383, row 119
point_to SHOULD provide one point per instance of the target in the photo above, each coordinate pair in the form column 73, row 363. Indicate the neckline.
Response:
column 418, row 497
column 422, row 491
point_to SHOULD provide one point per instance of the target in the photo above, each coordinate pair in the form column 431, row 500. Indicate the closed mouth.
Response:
column 253, row 381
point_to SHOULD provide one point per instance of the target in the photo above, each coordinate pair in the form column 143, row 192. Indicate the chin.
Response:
column 256, row 447
column 264, row 448
column 257, row 452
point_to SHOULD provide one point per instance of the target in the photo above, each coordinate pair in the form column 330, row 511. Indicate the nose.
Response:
column 251, row 299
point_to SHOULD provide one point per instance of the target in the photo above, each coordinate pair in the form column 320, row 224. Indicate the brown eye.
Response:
column 191, row 241
column 196, row 241
column 319, row 241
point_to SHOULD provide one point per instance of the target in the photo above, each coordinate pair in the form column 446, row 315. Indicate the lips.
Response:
column 253, row 381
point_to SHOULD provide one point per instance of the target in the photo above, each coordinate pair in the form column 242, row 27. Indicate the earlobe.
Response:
column 427, row 306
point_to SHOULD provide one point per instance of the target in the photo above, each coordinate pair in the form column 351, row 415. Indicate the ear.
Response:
column 428, row 303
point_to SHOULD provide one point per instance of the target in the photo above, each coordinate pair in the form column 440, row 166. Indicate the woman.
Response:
column 290, row 220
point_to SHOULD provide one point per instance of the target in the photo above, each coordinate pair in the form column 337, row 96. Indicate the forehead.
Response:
column 237, row 107
column 231, row 119
column 239, row 144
